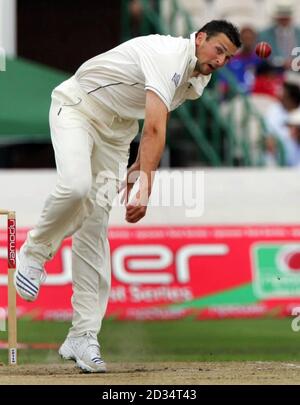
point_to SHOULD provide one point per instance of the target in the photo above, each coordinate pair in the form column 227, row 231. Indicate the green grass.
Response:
column 184, row 340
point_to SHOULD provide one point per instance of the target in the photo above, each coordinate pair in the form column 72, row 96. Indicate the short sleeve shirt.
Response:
column 163, row 64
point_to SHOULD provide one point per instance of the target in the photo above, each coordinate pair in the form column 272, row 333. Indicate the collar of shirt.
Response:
column 200, row 81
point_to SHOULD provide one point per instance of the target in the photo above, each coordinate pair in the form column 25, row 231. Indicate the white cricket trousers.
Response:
column 91, row 145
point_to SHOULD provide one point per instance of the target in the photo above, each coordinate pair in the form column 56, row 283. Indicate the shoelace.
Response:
column 37, row 274
column 94, row 349
column 95, row 354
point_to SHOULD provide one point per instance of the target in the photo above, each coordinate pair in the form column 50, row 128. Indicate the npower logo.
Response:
column 148, row 264
column 141, row 264
column 11, row 232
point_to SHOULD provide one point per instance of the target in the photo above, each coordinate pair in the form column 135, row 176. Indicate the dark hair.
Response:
column 216, row 27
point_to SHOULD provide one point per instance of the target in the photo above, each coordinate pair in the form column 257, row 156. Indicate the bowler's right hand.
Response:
column 137, row 207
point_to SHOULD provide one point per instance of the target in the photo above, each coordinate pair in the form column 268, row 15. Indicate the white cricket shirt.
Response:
column 120, row 77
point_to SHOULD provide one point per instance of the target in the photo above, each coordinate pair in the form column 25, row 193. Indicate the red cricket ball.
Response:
column 263, row 49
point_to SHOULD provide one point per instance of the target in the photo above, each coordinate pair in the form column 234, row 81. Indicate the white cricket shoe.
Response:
column 85, row 350
column 28, row 277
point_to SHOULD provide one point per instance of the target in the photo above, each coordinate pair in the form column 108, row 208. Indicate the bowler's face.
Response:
column 213, row 53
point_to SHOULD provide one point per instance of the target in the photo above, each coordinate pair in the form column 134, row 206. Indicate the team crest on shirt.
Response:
column 176, row 79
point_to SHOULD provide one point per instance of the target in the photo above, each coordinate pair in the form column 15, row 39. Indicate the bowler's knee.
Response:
column 80, row 188
column 74, row 189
